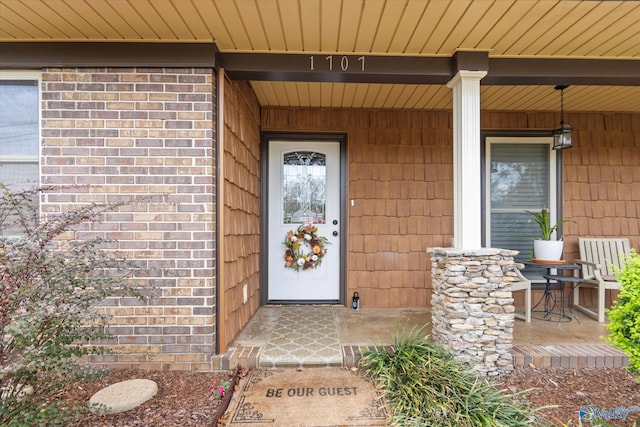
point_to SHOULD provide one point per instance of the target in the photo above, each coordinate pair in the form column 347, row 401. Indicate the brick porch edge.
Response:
column 569, row 356
column 539, row 356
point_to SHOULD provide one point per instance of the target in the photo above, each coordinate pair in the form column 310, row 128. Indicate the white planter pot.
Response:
column 547, row 250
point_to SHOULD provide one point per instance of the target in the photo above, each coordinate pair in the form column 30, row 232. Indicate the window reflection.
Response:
column 19, row 145
column 520, row 181
column 19, row 133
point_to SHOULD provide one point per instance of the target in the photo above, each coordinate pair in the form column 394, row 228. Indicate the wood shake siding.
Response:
column 601, row 175
column 602, row 182
column 400, row 179
column 241, row 205
column 146, row 136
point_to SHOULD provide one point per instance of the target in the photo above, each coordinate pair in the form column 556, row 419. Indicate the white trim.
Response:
column 467, row 202
column 21, row 75
column 18, row 159
column 553, row 179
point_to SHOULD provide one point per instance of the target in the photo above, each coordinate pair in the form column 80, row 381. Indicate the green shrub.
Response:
column 49, row 287
column 624, row 314
column 425, row 386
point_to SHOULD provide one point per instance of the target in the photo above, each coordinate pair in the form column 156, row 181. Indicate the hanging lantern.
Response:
column 562, row 134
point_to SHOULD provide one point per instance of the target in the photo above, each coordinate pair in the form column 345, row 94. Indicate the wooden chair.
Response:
column 521, row 283
column 597, row 256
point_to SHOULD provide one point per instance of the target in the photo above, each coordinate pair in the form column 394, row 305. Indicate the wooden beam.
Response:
column 548, row 71
column 337, row 68
column 221, row 306
column 429, row 70
column 322, row 67
column 106, row 54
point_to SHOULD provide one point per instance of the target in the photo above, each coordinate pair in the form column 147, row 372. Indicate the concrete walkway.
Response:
column 332, row 336
column 274, row 340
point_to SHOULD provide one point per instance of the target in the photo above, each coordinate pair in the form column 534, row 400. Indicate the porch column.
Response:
column 466, row 159
column 472, row 306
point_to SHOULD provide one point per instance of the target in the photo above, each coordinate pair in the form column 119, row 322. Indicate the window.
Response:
column 304, row 182
column 19, row 129
column 520, row 176
column 19, row 138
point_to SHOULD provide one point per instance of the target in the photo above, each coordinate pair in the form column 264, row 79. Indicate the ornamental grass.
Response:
column 425, row 386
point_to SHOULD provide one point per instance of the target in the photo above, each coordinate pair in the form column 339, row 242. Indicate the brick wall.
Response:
column 400, row 178
column 241, row 206
column 145, row 136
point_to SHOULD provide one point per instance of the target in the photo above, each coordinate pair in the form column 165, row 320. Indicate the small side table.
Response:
column 550, row 301
column 573, row 281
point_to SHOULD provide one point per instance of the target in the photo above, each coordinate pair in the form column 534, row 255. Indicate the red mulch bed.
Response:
column 570, row 389
column 184, row 398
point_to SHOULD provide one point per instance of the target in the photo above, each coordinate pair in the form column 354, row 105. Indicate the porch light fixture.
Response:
column 562, row 134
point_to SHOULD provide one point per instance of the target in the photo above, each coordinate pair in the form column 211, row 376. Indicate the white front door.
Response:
column 304, row 191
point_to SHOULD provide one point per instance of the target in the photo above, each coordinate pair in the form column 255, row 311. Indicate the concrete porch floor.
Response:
column 268, row 341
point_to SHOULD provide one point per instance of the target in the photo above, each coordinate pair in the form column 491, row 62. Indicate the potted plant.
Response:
column 544, row 248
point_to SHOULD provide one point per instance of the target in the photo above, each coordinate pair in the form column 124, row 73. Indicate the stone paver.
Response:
column 122, row 396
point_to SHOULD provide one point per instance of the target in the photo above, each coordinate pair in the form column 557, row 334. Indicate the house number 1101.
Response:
column 341, row 63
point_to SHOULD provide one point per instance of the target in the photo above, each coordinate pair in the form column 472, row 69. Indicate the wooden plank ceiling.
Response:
column 504, row 28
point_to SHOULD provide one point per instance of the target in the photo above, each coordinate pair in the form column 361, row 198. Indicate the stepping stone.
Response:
column 20, row 392
column 122, row 396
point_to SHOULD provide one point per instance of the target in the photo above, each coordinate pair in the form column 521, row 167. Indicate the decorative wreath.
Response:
column 305, row 249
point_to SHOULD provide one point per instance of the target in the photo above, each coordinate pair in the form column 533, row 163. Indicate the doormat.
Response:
column 316, row 397
column 304, row 336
